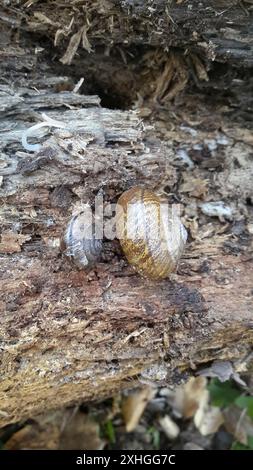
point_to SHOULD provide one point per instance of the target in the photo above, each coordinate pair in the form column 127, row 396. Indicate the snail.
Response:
column 151, row 234
column 80, row 240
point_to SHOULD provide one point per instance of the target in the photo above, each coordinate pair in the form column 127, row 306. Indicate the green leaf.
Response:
column 110, row 432
column 155, row 437
column 222, row 393
column 250, row 442
column 245, row 402
column 238, row 446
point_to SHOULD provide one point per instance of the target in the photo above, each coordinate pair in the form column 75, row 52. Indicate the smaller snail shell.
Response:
column 150, row 233
column 80, row 240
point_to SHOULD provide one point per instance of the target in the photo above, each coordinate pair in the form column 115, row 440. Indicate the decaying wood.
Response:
column 219, row 29
column 67, row 334
column 132, row 52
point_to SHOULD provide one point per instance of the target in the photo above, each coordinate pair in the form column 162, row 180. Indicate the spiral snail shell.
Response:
column 80, row 239
column 151, row 234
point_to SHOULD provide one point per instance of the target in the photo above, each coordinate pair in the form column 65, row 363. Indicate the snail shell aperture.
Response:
column 80, row 239
column 150, row 233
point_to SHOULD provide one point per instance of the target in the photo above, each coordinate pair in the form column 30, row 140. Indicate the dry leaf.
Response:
column 208, row 420
column 63, row 429
column 134, row 405
column 31, row 438
column 81, row 432
column 188, row 397
column 238, row 423
column 223, row 370
column 169, row 427
column 38, row 436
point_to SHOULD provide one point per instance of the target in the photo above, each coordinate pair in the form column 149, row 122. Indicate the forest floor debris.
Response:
column 200, row 414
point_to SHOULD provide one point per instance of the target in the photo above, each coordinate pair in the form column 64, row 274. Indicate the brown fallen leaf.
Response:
column 80, row 432
column 63, row 429
column 37, row 436
column 134, row 405
column 208, row 419
column 189, row 396
column 238, row 423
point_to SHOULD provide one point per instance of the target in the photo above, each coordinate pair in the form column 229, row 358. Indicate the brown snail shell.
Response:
column 80, row 240
column 150, row 233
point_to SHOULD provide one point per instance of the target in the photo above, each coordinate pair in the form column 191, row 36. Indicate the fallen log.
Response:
column 71, row 335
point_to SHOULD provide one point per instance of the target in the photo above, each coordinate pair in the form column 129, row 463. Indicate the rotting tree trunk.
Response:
column 69, row 335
